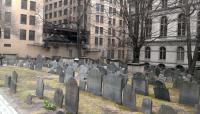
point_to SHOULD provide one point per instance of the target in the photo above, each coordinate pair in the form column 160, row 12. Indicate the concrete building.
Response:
column 169, row 33
column 21, row 27
column 102, row 23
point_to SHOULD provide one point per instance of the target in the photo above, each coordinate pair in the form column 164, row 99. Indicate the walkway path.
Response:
column 5, row 108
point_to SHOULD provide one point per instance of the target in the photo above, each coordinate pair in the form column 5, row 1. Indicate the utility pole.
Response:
column 79, row 29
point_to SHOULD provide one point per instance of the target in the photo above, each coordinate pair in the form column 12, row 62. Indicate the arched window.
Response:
column 147, row 52
column 163, row 26
column 164, row 3
column 198, row 23
column 180, row 54
column 181, row 25
column 162, row 53
column 148, row 26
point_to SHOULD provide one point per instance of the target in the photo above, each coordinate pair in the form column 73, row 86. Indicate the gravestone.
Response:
column 112, row 68
column 168, row 73
column 58, row 97
column 69, row 72
column 164, row 109
column 140, row 84
column 83, row 72
column 82, row 84
column 147, row 106
column 157, row 71
column 112, row 87
column 94, row 81
column 60, row 112
column 31, row 65
column 61, row 77
column 160, row 91
column 189, row 94
column 178, row 82
column 54, row 67
column 72, row 96
column 197, row 109
column 13, row 83
column 40, row 88
column 7, row 81
column 129, row 97
column 39, row 63
column 29, row 99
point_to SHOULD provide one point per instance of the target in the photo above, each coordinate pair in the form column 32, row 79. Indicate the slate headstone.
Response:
column 189, row 94
column 58, row 97
column 164, row 109
column 112, row 87
column 140, row 83
column 94, row 81
column 13, row 84
column 161, row 92
column 7, row 81
column 82, row 85
column 69, row 72
column 61, row 77
column 147, row 106
column 129, row 97
column 14, row 76
column 39, row 63
column 29, row 99
column 40, row 88
column 72, row 96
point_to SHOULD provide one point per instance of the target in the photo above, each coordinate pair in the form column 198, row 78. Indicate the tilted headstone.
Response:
column 72, row 96
column 69, row 72
column 112, row 87
column 140, row 83
column 164, row 109
column 40, row 88
column 129, row 97
column 7, row 81
column 61, row 77
column 160, row 91
column 58, row 97
column 13, row 84
column 189, row 94
column 39, row 63
column 147, row 106
column 94, row 81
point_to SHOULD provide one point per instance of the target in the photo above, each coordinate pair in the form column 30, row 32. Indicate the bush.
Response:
column 49, row 105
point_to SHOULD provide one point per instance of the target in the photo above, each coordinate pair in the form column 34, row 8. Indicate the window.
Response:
column 112, row 54
column 162, row 53
column 109, row 31
column 55, row 14
column 147, row 52
column 96, row 30
column 31, row 35
column 55, row 5
column 163, row 26
column 23, row 4
column 22, row 34
column 46, row 16
column 101, row 30
column 46, row 7
column 198, row 24
column 65, row 2
column 97, row 18
column 7, row 17
column 119, row 54
column 113, row 42
column 60, row 13
column 7, row 45
column 23, row 18
column 8, row 3
column 113, row 32
column 181, row 25
column 109, row 42
column 148, row 25
column 32, row 20
column 99, row 8
column 65, row 11
column 164, row 3
column 110, row 10
column 60, row 3
column 110, row 21
column 50, row 6
column 120, row 23
column 114, row 22
column 96, row 41
column 50, row 15
column 180, row 54
column 32, row 6
column 101, row 41
column 6, row 33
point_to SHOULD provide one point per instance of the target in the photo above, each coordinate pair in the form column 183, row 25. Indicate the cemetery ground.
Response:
column 88, row 103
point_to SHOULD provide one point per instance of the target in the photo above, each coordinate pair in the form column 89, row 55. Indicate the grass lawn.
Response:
column 88, row 104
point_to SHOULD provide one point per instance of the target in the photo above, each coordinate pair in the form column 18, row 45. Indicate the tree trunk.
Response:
column 136, row 55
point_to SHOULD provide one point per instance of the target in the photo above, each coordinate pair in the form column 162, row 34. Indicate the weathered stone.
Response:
column 29, row 100
column 140, row 83
column 161, row 92
column 189, row 94
column 61, row 77
column 39, row 63
column 112, row 68
column 147, row 106
column 83, row 72
column 72, row 96
column 112, row 87
column 40, row 88
column 13, row 85
column 58, row 97
column 157, row 71
column 94, row 81
column 164, row 109
column 129, row 97
column 7, row 81
column 69, row 72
